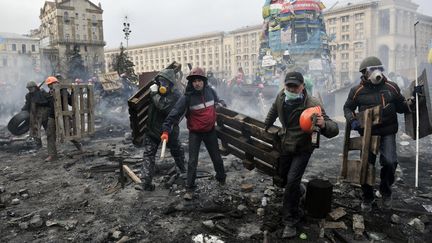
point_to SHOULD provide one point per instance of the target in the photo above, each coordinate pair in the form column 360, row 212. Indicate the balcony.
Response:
column 83, row 42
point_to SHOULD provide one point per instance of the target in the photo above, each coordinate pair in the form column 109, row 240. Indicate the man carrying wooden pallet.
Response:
column 164, row 96
column 375, row 89
column 51, row 127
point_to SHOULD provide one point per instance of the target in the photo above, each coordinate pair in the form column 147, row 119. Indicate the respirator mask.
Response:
column 164, row 85
column 376, row 75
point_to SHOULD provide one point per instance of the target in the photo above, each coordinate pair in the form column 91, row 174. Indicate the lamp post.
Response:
column 126, row 31
column 417, row 106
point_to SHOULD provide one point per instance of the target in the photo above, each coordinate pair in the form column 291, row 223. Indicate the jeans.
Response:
column 150, row 149
column 211, row 143
column 291, row 169
column 388, row 161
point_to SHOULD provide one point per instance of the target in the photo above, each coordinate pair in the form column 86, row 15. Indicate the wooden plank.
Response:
column 355, row 143
column 65, row 107
column 375, row 143
column 268, row 156
column 59, row 121
column 90, row 108
column 132, row 175
column 76, row 124
column 353, row 171
column 366, row 145
column 344, row 169
column 254, row 130
column 81, row 109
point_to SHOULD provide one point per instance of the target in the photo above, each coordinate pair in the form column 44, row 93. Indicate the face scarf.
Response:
column 290, row 96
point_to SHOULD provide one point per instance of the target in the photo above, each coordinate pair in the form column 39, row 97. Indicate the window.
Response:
column 23, row 48
column 359, row 26
column 345, row 28
column 384, row 21
column 359, row 16
column 345, row 19
column 331, row 21
column 13, row 47
column 33, row 48
column 344, row 56
column 66, row 17
column 358, row 45
column 345, row 37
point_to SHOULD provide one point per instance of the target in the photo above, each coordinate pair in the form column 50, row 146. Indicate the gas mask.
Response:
column 164, row 86
column 376, row 75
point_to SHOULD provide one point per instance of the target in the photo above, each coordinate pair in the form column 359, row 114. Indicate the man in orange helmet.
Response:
column 296, row 146
column 51, row 128
column 198, row 104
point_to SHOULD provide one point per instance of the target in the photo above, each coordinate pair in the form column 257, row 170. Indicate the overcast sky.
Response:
column 156, row 20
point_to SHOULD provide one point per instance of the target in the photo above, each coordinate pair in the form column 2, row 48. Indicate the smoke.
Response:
column 14, row 75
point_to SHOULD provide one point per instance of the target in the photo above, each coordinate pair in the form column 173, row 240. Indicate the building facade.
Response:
column 376, row 28
column 67, row 25
column 382, row 28
column 219, row 52
column 19, row 58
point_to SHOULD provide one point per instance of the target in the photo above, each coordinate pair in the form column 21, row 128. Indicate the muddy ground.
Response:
column 78, row 198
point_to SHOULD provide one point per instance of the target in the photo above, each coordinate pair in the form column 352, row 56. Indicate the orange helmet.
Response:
column 306, row 118
column 197, row 72
column 51, row 80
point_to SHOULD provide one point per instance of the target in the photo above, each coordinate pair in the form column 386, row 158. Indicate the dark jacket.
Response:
column 199, row 107
column 51, row 101
column 292, row 137
column 160, row 107
column 39, row 97
column 387, row 94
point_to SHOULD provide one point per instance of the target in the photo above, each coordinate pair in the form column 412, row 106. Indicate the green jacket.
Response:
column 160, row 106
column 292, row 138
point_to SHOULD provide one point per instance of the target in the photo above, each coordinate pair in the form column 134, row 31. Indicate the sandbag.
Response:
column 20, row 123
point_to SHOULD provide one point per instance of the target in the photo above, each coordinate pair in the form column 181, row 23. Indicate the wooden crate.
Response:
column 75, row 120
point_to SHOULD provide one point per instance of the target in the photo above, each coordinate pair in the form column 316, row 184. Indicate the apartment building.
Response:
column 19, row 58
column 69, row 24
column 380, row 28
column 219, row 52
column 357, row 29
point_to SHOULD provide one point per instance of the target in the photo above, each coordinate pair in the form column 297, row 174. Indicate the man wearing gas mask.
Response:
column 376, row 89
column 164, row 96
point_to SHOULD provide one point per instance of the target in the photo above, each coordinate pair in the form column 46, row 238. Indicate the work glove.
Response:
column 164, row 136
column 154, row 88
column 417, row 90
column 266, row 128
column 355, row 125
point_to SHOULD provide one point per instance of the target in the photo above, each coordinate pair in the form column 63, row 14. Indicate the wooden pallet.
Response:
column 76, row 120
column 245, row 138
column 360, row 171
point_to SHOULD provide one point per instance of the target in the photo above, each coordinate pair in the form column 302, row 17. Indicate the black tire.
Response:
column 19, row 124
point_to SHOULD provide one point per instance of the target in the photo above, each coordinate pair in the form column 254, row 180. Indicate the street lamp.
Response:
column 417, row 106
column 126, row 31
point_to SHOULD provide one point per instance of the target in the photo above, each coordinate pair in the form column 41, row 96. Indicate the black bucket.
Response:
column 318, row 198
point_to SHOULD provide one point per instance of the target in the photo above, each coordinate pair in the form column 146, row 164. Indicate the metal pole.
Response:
column 417, row 107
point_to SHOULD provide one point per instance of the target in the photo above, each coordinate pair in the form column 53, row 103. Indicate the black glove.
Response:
column 266, row 128
column 417, row 90
column 222, row 102
column 355, row 125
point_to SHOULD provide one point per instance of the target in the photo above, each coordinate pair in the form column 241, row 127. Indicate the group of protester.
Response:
column 199, row 102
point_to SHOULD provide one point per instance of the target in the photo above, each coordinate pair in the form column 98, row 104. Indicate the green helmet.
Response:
column 31, row 84
column 369, row 62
